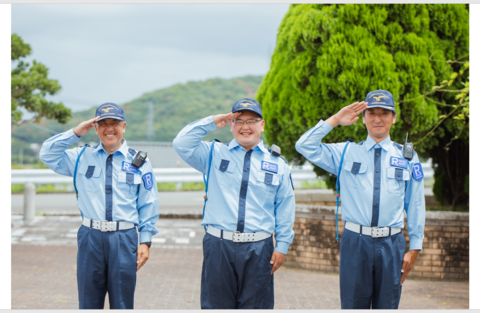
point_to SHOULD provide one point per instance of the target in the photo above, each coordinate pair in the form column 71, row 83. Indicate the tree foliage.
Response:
column 30, row 86
column 329, row 56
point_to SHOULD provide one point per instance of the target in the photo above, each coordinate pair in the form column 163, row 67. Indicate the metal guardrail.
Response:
column 163, row 175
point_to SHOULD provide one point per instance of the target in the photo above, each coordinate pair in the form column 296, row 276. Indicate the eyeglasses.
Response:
column 250, row 122
column 104, row 123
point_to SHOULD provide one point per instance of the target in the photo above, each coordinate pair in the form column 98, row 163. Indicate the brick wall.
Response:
column 445, row 254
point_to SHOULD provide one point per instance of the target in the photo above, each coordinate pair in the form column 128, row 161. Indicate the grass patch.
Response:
column 193, row 186
column 185, row 187
column 313, row 184
column 18, row 188
column 459, row 208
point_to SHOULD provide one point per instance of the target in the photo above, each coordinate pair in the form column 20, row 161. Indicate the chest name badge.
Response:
column 417, row 171
column 129, row 167
column 398, row 162
column 148, row 181
column 271, row 167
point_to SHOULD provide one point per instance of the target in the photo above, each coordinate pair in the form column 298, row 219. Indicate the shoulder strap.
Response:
column 132, row 151
column 337, row 184
column 205, row 180
column 75, row 170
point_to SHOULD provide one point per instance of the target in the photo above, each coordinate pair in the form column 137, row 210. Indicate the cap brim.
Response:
column 380, row 106
column 111, row 117
column 250, row 110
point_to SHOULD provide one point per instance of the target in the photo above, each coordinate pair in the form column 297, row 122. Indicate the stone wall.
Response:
column 445, row 254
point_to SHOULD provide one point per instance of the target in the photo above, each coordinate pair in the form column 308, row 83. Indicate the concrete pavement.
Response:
column 44, row 273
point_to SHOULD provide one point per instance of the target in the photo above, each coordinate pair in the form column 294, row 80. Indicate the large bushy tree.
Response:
column 30, row 86
column 328, row 56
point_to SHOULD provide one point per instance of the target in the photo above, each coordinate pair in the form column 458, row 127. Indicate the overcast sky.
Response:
column 117, row 52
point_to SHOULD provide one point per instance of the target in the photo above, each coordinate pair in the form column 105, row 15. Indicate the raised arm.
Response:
column 327, row 156
column 189, row 145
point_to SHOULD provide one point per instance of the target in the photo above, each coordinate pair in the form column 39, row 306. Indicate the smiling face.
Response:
column 248, row 136
column 378, row 122
column 110, row 131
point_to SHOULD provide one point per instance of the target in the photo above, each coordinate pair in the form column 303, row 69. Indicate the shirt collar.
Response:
column 260, row 145
column 385, row 143
column 123, row 148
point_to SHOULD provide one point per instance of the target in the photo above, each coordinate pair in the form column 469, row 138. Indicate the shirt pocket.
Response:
column 355, row 174
column 90, row 176
column 268, row 183
column 396, row 178
column 129, row 182
column 224, row 170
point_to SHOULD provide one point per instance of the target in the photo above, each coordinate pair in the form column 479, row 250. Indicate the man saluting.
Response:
column 377, row 183
column 250, row 197
column 115, row 197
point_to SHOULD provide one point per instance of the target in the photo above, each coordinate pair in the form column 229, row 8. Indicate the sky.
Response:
column 117, row 52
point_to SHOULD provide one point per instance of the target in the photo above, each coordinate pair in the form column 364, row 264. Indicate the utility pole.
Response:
column 150, row 133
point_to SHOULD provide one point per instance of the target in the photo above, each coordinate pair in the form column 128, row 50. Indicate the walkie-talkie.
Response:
column 408, row 149
column 275, row 150
column 139, row 159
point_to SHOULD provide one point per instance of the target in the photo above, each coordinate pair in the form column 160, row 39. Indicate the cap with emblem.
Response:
column 380, row 99
column 110, row 110
column 247, row 104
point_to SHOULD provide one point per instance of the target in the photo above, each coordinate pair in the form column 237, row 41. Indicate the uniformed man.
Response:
column 250, row 196
column 377, row 184
column 115, row 199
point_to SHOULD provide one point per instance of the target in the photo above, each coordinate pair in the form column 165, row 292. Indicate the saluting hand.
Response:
column 347, row 115
column 84, row 127
column 221, row 120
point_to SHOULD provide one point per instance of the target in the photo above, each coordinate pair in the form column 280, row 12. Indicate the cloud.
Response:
column 105, row 52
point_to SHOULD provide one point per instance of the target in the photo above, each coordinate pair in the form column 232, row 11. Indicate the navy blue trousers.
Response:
column 106, row 262
column 236, row 275
column 370, row 271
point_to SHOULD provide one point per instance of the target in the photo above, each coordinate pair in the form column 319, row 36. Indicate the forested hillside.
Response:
column 173, row 108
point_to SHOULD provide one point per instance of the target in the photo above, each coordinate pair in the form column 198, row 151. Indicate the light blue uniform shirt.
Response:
column 363, row 171
column 269, row 203
column 130, row 200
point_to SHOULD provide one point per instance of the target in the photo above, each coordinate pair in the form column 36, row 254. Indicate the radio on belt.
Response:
column 139, row 159
column 408, row 149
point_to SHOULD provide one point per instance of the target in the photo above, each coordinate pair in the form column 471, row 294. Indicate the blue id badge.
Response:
column 129, row 167
column 271, row 167
column 398, row 162
column 417, row 171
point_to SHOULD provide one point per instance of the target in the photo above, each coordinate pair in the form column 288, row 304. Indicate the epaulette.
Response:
column 132, row 151
column 399, row 146
column 283, row 159
column 96, row 146
column 361, row 143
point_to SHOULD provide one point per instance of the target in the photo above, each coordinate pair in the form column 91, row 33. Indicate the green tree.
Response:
column 30, row 85
column 329, row 56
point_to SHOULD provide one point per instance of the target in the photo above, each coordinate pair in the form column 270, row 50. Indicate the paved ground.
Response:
column 44, row 273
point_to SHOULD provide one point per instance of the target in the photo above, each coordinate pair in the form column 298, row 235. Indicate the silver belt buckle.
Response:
column 380, row 232
column 236, row 239
column 107, row 226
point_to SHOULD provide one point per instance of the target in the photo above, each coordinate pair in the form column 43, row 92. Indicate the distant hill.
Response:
column 173, row 108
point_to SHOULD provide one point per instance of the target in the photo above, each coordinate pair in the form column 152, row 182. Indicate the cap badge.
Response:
column 107, row 109
column 378, row 97
column 245, row 104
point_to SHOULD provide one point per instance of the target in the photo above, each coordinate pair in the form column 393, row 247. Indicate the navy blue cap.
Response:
column 110, row 110
column 247, row 104
column 380, row 99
